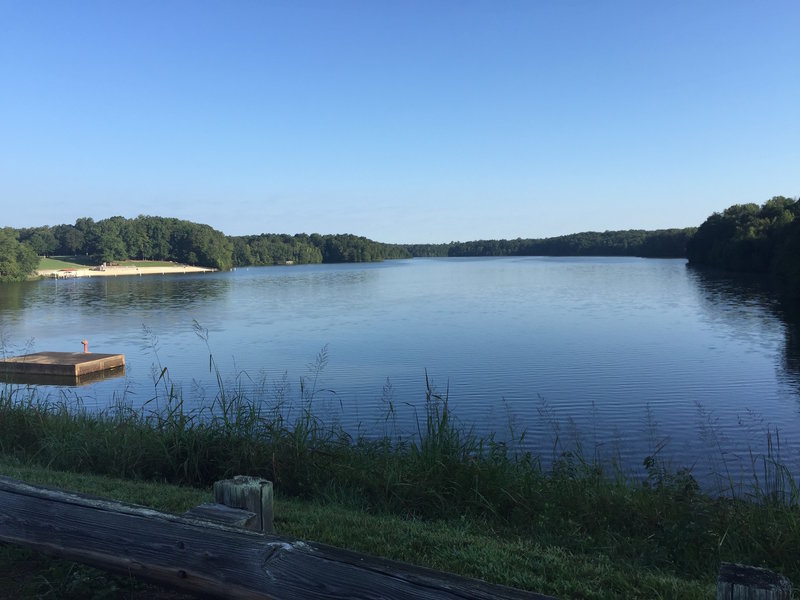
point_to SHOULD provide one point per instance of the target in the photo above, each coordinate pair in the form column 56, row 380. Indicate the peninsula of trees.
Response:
column 748, row 237
column 744, row 237
column 752, row 238
column 168, row 239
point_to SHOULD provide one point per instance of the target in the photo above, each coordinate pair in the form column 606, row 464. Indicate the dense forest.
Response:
column 143, row 238
column 271, row 248
column 17, row 261
column 160, row 238
column 744, row 237
column 748, row 237
column 665, row 243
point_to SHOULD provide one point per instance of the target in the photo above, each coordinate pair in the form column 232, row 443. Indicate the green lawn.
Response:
column 461, row 545
column 65, row 262
column 145, row 263
column 80, row 262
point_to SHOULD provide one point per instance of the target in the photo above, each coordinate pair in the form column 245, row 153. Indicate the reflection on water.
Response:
column 739, row 297
column 790, row 314
column 791, row 354
column 62, row 380
column 622, row 353
column 108, row 295
column 14, row 294
column 751, row 308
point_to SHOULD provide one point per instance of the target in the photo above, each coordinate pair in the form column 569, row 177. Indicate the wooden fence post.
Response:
column 248, row 493
column 740, row 582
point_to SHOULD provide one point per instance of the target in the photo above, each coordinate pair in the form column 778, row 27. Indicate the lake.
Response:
column 619, row 356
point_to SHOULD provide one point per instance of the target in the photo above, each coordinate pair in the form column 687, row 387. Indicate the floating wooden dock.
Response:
column 73, row 367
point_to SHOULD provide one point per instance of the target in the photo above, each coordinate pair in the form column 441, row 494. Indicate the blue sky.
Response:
column 404, row 121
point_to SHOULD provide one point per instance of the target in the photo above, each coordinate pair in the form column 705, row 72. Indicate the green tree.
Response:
column 159, row 232
column 90, row 232
column 41, row 239
column 137, row 242
column 110, row 245
column 198, row 244
column 70, row 240
column 746, row 237
column 242, row 255
column 17, row 260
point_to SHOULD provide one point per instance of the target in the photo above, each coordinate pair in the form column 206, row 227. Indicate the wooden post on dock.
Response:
column 740, row 582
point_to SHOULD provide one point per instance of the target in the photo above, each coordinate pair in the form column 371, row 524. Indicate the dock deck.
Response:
column 61, row 364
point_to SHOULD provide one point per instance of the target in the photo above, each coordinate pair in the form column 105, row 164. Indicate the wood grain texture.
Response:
column 225, row 515
column 72, row 364
column 215, row 560
column 742, row 582
column 248, row 493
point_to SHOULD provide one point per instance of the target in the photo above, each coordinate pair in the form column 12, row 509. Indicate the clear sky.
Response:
column 401, row 120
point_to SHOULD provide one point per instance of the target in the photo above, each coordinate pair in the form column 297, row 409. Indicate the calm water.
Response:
column 622, row 354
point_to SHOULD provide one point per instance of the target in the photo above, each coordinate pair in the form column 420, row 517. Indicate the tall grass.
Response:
column 442, row 471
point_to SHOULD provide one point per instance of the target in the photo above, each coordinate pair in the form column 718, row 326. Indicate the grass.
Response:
column 464, row 546
column 66, row 262
column 28, row 574
column 145, row 263
column 81, row 262
column 445, row 497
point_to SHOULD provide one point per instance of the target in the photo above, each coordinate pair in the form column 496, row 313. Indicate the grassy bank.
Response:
column 445, row 497
column 466, row 546
column 65, row 262
column 81, row 262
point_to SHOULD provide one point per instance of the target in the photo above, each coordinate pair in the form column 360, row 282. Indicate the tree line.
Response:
column 744, row 237
column 169, row 239
column 753, row 238
column 663, row 243
column 142, row 238
column 17, row 261
column 272, row 248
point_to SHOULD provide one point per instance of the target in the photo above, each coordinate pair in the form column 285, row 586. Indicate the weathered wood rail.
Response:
column 215, row 560
column 240, row 502
column 743, row 582
column 201, row 553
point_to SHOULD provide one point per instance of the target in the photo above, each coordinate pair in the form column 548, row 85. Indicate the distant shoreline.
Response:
column 116, row 271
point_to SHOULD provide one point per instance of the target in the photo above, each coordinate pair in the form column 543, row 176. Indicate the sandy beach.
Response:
column 116, row 271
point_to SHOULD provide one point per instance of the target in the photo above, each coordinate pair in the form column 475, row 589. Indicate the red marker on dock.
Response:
column 85, row 346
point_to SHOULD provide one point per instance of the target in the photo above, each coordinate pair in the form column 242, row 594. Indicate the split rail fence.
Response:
column 228, row 550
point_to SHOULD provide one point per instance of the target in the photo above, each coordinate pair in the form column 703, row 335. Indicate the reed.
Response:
column 444, row 471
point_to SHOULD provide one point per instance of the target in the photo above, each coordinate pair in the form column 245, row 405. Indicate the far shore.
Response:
column 114, row 271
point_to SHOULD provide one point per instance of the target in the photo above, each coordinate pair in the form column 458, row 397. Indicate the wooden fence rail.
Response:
column 743, row 582
column 214, row 560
